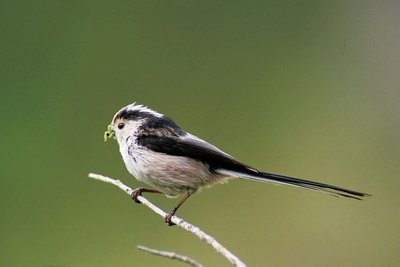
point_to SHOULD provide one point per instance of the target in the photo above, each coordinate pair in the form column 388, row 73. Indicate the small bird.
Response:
column 174, row 162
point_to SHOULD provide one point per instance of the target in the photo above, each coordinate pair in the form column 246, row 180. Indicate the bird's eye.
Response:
column 121, row 125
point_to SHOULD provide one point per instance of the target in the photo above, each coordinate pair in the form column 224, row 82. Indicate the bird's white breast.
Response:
column 172, row 175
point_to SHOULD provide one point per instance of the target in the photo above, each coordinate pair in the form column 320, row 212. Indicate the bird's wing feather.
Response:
column 192, row 147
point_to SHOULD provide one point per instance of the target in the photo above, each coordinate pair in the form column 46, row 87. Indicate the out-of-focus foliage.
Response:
column 305, row 89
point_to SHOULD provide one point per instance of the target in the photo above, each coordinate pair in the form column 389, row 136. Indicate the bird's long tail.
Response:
column 253, row 174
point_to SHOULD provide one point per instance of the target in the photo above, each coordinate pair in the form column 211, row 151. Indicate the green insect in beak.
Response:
column 110, row 133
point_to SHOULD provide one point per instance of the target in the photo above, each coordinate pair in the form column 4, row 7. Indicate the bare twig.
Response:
column 170, row 255
column 178, row 221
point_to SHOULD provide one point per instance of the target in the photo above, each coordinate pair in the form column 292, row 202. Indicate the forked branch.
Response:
column 178, row 221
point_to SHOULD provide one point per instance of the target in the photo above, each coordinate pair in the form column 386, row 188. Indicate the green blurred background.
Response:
column 303, row 88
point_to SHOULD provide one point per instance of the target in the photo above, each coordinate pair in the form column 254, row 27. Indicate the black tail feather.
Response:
column 246, row 172
column 316, row 186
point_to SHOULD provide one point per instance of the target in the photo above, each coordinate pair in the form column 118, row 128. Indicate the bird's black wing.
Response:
column 195, row 148
column 220, row 162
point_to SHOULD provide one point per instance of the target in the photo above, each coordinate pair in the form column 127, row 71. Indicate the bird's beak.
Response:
column 110, row 133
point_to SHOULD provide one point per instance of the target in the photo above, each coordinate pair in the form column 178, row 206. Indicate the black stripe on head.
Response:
column 136, row 114
column 154, row 123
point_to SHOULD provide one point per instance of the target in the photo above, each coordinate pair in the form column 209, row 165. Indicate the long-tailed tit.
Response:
column 174, row 162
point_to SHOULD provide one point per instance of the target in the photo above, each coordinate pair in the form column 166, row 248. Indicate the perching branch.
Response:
column 170, row 255
column 178, row 221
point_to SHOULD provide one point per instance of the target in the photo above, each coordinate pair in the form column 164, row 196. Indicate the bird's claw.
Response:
column 168, row 218
column 135, row 193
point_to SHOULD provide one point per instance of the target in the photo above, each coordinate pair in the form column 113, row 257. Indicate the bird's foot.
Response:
column 137, row 192
column 168, row 217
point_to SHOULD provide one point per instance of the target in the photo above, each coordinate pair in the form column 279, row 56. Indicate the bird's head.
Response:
column 127, row 121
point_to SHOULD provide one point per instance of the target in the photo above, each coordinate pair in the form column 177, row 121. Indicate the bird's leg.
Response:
column 138, row 192
column 172, row 212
